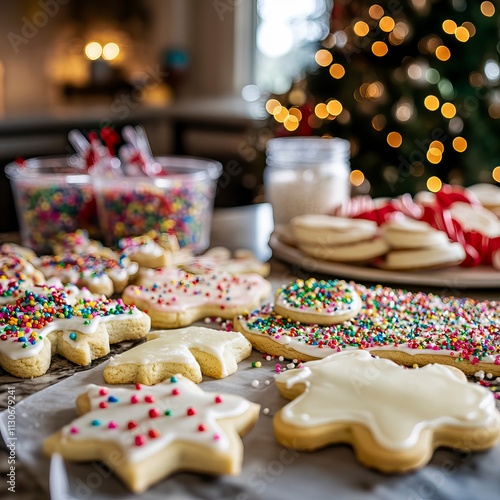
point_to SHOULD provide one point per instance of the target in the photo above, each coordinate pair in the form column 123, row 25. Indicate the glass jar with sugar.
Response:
column 306, row 175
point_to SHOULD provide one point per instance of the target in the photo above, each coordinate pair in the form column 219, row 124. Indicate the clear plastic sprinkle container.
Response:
column 52, row 195
column 306, row 175
column 178, row 200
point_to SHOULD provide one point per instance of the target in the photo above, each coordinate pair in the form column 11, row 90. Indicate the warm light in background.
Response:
column 271, row 105
column 110, row 51
column 334, row 107
column 337, row 71
column 470, row 28
column 296, row 112
column 449, row 26
column 394, row 139
column 434, row 184
column 448, row 110
column 297, row 97
column 443, row 53
column 380, row 49
column 291, row 123
column 488, row 9
column 323, row 57
column 437, row 145
column 280, row 113
column 378, row 122
column 496, row 174
column 361, row 28
column 375, row 11
column 431, row 102
column 462, row 34
column 387, row 24
column 357, row 177
column 320, row 111
column 434, row 155
column 459, row 144
column 93, row 50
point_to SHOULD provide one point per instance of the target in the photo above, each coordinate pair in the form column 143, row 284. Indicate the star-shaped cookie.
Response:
column 145, row 434
column 393, row 417
column 190, row 351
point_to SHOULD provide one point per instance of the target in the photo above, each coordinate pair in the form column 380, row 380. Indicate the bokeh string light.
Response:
column 415, row 89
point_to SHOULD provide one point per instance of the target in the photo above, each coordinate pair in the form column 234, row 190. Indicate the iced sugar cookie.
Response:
column 174, row 298
column 189, row 351
column 79, row 243
column 98, row 274
column 145, row 251
column 409, row 328
column 318, row 301
column 148, row 433
column 219, row 259
column 393, row 417
column 75, row 324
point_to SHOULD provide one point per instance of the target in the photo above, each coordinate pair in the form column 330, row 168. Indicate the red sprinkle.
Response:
column 103, row 391
column 134, row 400
column 154, row 413
column 138, row 387
column 103, row 404
column 153, row 433
column 191, row 411
column 175, row 392
column 218, row 399
column 132, row 424
column 202, row 428
column 140, row 440
column 149, row 399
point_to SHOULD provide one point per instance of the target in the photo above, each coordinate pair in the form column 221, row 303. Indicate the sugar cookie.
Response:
column 409, row 328
column 98, row 274
column 145, row 251
column 219, row 259
column 189, row 351
column 361, row 252
column 317, row 301
column 73, row 323
column 146, row 434
column 393, row 417
column 327, row 230
column 404, row 233
column 175, row 298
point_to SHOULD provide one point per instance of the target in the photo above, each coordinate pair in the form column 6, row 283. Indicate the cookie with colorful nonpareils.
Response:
column 145, row 434
column 364, row 401
column 174, row 298
column 99, row 274
column 317, row 301
column 75, row 324
column 409, row 328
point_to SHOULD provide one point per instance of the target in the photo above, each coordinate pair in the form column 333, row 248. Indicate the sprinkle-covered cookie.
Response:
column 409, row 328
column 318, row 301
column 74, row 324
column 393, row 417
column 145, row 434
column 98, row 274
column 174, row 298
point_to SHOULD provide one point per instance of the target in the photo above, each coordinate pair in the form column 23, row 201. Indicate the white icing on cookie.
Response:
column 476, row 218
column 179, row 411
column 173, row 346
column 395, row 403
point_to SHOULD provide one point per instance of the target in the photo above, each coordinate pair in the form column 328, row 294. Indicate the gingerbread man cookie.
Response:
column 146, row 434
column 189, row 351
column 174, row 298
column 393, row 417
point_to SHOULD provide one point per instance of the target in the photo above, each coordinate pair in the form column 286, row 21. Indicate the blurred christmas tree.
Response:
column 413, row 84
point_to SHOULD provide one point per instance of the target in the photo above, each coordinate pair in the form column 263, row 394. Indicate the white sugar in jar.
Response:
column 306, row 175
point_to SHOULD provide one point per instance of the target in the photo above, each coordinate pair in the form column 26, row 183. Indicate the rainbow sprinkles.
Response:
column 71, row 318
column 409, row 328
